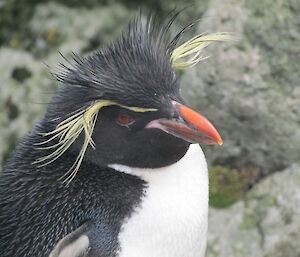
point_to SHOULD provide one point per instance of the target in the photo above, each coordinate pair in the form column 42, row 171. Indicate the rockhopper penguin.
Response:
column 114, row 168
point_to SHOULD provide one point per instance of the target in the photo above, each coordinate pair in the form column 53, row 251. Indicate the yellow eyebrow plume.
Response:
column 190, row 53
column 69, row 129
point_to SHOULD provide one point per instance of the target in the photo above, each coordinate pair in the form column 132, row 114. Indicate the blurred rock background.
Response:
column 249, row 89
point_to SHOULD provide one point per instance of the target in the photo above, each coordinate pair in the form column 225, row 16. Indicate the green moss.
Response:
column 270, row 201
column 226, row 186
column 249, row 222
column 211, row 249
column 52, row 36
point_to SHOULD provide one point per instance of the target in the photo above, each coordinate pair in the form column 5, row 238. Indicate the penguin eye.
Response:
column 124, row 120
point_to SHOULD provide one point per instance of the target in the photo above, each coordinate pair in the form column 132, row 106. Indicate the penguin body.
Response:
column 114, row 169
column 171, row 219
column 37, row 211
column 121, row 211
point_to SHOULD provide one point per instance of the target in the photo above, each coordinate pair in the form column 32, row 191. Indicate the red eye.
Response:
column 123, row 119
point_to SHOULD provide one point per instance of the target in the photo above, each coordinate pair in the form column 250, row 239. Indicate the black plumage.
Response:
column 36, row 207
column 136, row 70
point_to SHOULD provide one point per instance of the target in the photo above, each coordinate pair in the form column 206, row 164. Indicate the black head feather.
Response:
column 36, row 208
column 136, row 70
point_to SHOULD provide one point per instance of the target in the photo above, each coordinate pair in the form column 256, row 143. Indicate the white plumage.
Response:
column 172, row 218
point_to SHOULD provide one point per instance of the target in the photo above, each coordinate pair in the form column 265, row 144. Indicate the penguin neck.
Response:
column 192, row 160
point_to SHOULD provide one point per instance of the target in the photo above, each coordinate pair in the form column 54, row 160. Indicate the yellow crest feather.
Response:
column 190, row 52
column 83, row 121
column 69, row 129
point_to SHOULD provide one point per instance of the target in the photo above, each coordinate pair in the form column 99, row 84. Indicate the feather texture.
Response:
column 136, row 70
column 68, row 131
column 190, row 53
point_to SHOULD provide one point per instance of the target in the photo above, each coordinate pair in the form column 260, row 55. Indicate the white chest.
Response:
column 172, row 218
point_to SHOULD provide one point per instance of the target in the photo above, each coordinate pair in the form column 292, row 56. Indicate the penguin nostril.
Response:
column 174, row 112
column 175, row 115
column 169, row 108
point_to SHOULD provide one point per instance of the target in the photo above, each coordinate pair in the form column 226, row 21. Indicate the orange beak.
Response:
column 191, row 126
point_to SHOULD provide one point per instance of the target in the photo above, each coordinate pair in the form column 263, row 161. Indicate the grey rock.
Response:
column 25, row 81
column 250, row 89
column 58, row 28
column 23, row 84
column 266, row 223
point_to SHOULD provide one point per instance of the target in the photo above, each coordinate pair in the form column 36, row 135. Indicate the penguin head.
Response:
column 122, row 103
